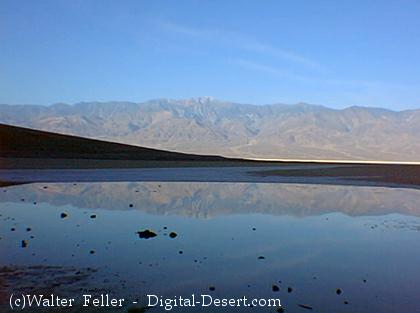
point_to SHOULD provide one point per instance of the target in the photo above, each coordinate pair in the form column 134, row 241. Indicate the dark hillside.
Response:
column 19, row 142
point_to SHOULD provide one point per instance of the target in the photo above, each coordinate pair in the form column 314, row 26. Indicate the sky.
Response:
column 333, row 53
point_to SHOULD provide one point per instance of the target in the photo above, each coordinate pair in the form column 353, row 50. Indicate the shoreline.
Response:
column 392, row 174
column 291, row 174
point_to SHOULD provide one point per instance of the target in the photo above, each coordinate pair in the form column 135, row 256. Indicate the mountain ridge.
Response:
column 203, row 100
column 205, row 125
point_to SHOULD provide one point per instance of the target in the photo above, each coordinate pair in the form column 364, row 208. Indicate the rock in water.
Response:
column 304, row 306
column 146, row 234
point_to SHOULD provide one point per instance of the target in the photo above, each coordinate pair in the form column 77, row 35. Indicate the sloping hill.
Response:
column 19, row 142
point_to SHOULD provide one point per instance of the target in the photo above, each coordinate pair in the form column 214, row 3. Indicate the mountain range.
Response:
column 214, row 127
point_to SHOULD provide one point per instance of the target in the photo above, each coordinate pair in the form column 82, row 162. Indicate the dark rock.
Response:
column 180, row 252
column 173, row 234
column 24, row 243
column 261, row 257
column 28, row 229
column 338, row 291
column 212, row 288
column 130, row 205
column 146, row 234
column 93, row 216
column 280, row 310
column 275, row 288
column 289, row 289
column 63, row 215
column 304, row 306
column 92, row 251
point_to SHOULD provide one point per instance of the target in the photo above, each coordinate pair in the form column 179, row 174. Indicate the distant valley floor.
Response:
column 399, row 176
column 392, row 174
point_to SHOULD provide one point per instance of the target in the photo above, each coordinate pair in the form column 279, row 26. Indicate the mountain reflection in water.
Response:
column 205, row 200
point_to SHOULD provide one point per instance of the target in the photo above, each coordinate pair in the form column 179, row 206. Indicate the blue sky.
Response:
column 335, row 53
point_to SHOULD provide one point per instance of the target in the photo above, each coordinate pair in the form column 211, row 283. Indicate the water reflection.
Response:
column 84, row 238
column 204, row 200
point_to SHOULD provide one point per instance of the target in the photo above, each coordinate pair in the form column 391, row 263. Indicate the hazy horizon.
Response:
column 197, row 98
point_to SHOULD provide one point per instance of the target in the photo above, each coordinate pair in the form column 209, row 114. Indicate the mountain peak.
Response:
column 199, row 100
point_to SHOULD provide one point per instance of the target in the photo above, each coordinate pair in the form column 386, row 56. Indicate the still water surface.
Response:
column 314, row 239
